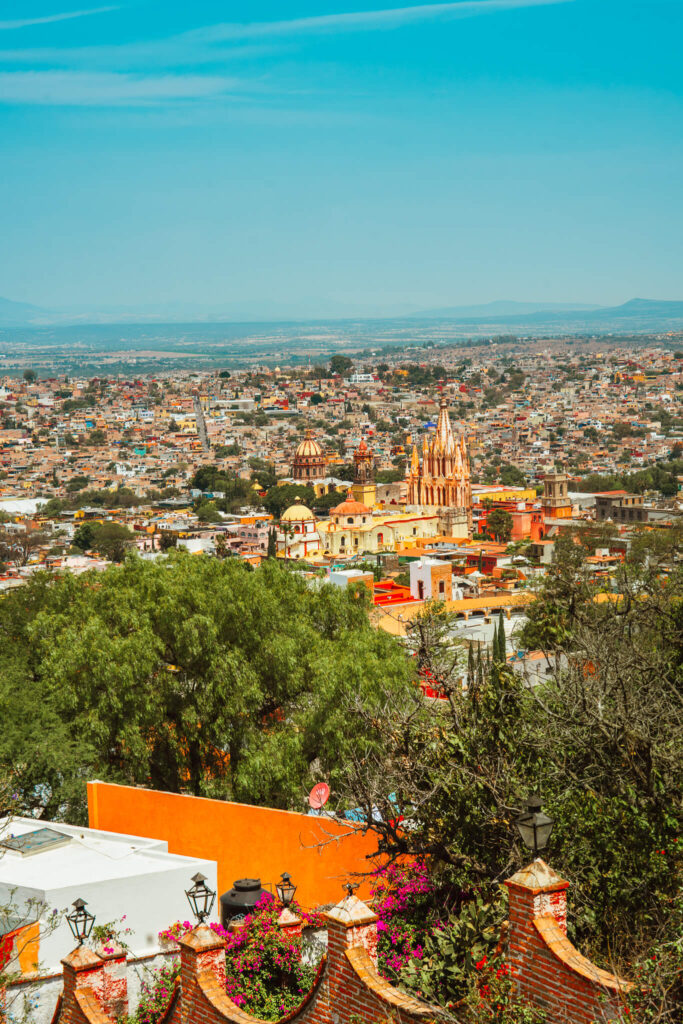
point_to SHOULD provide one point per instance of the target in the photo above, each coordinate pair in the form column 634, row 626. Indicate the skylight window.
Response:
column 35, row 842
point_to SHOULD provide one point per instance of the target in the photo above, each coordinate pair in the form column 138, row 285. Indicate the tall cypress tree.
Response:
column 272, row 543
column 502, row 645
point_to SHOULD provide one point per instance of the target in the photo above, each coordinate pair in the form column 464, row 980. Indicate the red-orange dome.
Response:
column 350, row 507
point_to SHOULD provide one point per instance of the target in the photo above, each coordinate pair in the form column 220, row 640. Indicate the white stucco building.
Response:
column 115, row 874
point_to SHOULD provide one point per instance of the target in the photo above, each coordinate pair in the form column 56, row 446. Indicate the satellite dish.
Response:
column 319, row 796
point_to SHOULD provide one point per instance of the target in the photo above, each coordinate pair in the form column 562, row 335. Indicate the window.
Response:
column 33, row 842
column 442, row 587
column 350, row 520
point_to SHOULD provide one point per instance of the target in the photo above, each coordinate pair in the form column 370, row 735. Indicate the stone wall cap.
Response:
column 82, row 958
column 201, row 938
column 288, row 917
column 351, row 912
column 537, row 877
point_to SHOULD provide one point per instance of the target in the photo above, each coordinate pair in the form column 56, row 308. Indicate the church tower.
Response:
column 443, row 479
column 364, row 489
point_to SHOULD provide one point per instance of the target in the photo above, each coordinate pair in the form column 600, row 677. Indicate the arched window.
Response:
column 350, row 520
column 380, row 538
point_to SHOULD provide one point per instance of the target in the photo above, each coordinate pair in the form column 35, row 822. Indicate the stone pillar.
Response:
column 200, row 950
column 548, row 970
column 83, row 972
column 351, row 923
column 535, row 891
column 114, row 981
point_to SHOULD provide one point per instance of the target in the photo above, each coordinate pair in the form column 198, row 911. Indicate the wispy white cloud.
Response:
column 100, row 89
column 361, row 20
column 48, row 19
column 119, row 74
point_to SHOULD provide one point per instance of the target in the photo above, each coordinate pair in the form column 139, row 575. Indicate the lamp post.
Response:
column 80, row 921
column 285, row 889
column 534, row 826
column 200, row 897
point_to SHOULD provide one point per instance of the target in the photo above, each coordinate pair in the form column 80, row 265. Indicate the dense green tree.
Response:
column 340, row 364
column 281, row 496
column 511, row 476
column 207, row 512
column 112, row 540
column 84, row 536
column 190, row 674
column 499, row 523
column 212, row 478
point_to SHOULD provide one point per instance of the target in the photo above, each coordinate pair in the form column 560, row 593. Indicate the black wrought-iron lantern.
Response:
column 534, row 826
column 285, row 889
column 200, row 897
column 80, row 921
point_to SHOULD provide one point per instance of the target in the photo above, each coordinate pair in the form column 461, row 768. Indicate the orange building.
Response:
column 246, row 842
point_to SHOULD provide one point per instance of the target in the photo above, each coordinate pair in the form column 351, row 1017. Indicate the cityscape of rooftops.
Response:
column 340, row 596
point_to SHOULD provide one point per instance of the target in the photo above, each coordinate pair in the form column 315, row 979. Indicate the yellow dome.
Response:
column 296, row 514
column 309, row 448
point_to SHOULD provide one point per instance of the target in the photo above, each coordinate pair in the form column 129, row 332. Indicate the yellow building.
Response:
column 500, row 493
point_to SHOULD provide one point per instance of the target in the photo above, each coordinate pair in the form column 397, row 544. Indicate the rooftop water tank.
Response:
column 241, row 899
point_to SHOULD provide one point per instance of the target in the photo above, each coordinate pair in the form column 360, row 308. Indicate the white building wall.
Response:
column 116, row 875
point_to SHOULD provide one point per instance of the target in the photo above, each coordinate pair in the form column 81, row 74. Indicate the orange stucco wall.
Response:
column 245, row 841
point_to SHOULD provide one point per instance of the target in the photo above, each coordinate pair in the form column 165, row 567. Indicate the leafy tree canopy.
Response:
column 190, row 674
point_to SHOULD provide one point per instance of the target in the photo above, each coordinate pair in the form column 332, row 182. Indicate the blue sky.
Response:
column 308, row 155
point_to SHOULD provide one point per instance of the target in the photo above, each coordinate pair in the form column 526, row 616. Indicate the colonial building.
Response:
column 309, row 461
column 442, row 480
column 352, row 529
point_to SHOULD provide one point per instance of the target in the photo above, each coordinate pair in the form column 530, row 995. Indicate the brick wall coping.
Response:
column 82, row 959
column 90, row 1007
column 36, row 976
column 537, row 877
column 560, row 946
column 351, row 912
column 370, row 977
column 201, row 939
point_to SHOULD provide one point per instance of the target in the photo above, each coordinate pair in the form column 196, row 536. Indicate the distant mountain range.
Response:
column 19, row 314
column 501, row 307
column 637, row 315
